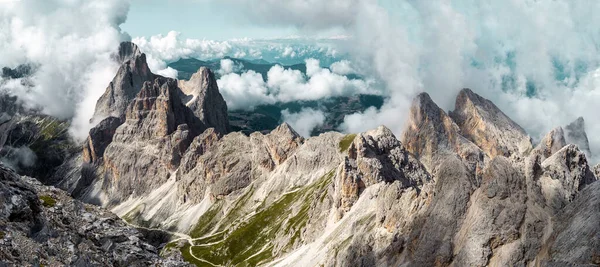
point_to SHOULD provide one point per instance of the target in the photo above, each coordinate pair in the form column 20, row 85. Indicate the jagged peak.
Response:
column 203, row 97
column 482, row 122
column 128, row 80
column 424, row 109
column 128, row 51
column 552, row 142
column 380, row 131
column 200, row 82
column 430, row 134
column 575, row 134
column 285, row 129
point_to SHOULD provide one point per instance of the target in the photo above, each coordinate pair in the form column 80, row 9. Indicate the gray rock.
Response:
column 45, row 227
column 99, row 138
column 203, row 97
column 157, row 122
column 488, row 127
column 552, row 142
column 128, row 81
column 575, row 134
column 431, row 135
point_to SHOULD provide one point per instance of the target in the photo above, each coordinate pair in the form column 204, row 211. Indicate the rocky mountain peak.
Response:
column 575, row 134
column 482, row 122
column 130, row 77
column 566, row 173
column 203, row 97
column 552, row 142
column 127, row 51
column 157, row 111
column 286, row 130
column 431, row 134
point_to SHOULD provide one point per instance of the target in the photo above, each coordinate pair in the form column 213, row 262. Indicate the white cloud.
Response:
column 228, row 66
column 304, row 121
column 343, row 67
column 163, row 49
column 71, row 41
column 246, row 90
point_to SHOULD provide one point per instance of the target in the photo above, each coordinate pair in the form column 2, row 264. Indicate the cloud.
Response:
column 164, row 49
column 541, row 68
column 228, row 66
column 304, row 121
column 71, row 43
column 18, row 157
column 247, row 90
column 343, row 67
column 244, row 91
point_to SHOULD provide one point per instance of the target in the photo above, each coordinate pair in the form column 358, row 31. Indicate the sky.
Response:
column 538, row 60
column 196, row 19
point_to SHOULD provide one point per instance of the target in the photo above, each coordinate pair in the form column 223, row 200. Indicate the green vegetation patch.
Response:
column 185, row 253
column 48, row 201
column 236, row 212
column 346, row 141
column 207, row 221
column 2, row 234
column 250, row 242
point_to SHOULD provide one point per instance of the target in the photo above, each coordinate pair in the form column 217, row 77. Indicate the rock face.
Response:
column 374, row 157
column 575, row 134
column 432, row 135
column 147, row 133
column 488, row 127
column 99, row 138
column 231, row 163
column 132, row 74
column 43, row 226
column 552, row 142
column 157, row 131
column 203, row 97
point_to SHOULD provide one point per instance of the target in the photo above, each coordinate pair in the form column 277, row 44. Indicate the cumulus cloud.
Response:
column 304, row 121
column 71, row 43
column 228, row 66
column 246, row 90
column 343, row 67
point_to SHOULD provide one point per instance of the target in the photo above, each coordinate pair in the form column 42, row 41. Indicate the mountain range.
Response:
column 467, row 187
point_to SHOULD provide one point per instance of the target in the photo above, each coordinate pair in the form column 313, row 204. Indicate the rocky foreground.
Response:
column 464, row 188
column 44, row 226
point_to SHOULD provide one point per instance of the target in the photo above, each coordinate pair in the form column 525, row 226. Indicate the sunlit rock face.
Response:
column 488, row 127
column 203, row 97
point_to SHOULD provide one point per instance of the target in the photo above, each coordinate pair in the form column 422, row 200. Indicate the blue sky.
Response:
column 195, row 19
column 204, row 19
